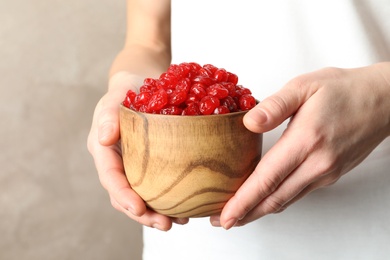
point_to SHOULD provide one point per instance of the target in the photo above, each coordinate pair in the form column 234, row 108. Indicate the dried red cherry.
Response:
column 208, row 104
column 191, row 89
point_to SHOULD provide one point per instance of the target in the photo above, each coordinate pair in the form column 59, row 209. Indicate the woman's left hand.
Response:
column 338, row 116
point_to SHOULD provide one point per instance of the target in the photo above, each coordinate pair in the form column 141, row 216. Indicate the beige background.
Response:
column 54, row 58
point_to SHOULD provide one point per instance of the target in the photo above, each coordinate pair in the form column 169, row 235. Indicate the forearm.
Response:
column 383, row 70
column 147, row 50
column 141, row 61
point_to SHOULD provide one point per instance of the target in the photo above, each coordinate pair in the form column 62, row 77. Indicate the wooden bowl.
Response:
column 187, row 166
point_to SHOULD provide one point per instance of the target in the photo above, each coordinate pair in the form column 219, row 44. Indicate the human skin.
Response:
column 337, row 117
column 146, row 53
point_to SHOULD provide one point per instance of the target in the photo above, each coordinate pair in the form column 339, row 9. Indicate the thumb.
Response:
column 107, row 110
column 108, row 124
column 275, row 109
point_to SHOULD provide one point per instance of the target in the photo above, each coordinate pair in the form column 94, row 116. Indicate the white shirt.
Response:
column 267, row 43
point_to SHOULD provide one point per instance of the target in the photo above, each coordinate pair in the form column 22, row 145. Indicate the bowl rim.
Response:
column 237, row 113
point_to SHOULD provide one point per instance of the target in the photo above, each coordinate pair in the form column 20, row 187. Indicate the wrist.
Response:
column 125, row 80
column 383, row 69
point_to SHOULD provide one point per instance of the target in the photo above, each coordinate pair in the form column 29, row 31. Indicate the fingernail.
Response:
column 182, row 221
column 258, row 116
column 230, row 223
column 215, row 223
column 158, row 226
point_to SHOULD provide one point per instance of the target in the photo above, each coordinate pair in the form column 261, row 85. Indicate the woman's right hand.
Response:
column 104, row 146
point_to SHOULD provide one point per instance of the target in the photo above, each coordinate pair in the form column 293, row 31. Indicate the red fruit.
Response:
column 185, row 69
column 143, row 109
column 221, row 110
column 198, row 90
column 195, row 66
column 208, row 104
column 142, row 99
column 191, row 98
column 217, row 90
column 229, row 103
column 127, row 102
column 163, row 83
column 150, row 81
column 171, row 110
column 205, row 72
column 221, row 75
column 232, row 78
column 177, row 97
column 230, row 87
column 184, row 85
column 240, row 90
column 191, row 110
column 145, row 88
column 158, row 100
column 211, row 68
column 171, row 79
column 131, row 94
column 206, row 81
column 130, row 97
column 176, row 71
column 191, row 89
column 247, row 102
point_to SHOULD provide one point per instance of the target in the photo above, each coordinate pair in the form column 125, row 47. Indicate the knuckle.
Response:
column 276, row 104
column 115, row 204
column 268, row 185
column 303, row 84
column 106, row 114
column 106, row 110
column 298, row 82
column 327, row 165
column 245, row 209
column 273, row 204
column 119, row 190
column 314, row 79
column 283, row 208
column 331, row 179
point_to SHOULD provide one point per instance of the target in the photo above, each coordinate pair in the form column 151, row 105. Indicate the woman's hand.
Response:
column 338, row 116
column 104, row 145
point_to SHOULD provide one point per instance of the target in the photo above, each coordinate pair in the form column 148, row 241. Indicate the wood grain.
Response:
column 187, row 166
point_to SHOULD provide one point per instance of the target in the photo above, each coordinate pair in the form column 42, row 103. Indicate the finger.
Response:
column 107, row 118
column 180, row 221
column 215, row 220
column 307, row 177
column 108, row 107
column 275, row 109
column 109, row 166
column 112, row 177
column 282, row 159
column 108, row 124
column 149, row 218
column 321, row 183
